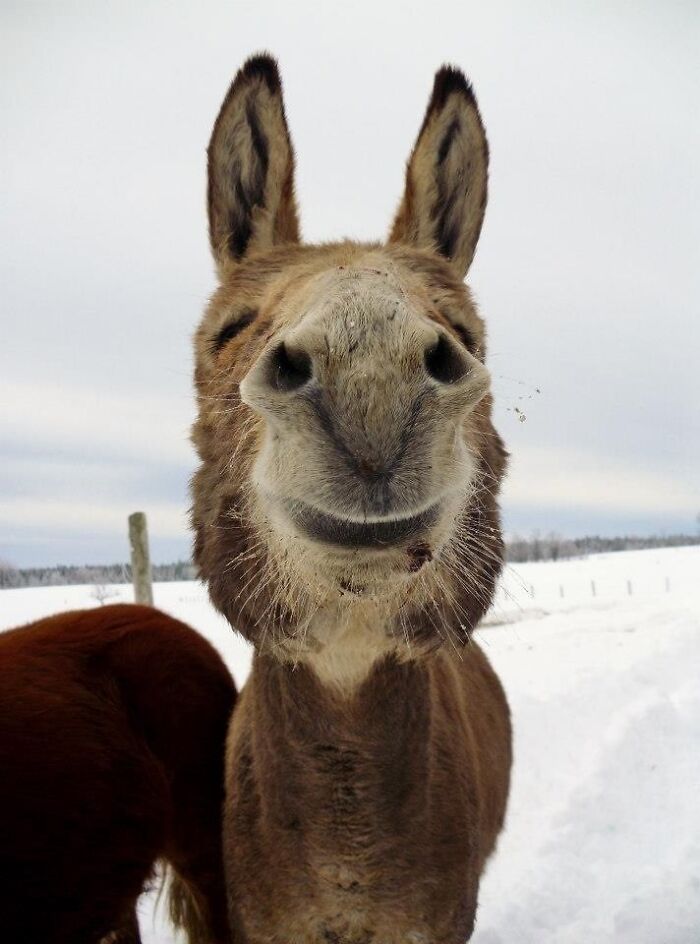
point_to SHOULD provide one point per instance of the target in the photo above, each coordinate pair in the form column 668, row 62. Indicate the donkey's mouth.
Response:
column 343, row 532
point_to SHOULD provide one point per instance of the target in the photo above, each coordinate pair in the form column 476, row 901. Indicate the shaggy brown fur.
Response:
column 346, row 521
column 112, row 725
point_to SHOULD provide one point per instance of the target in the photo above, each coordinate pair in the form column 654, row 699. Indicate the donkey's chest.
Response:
column 348, row 867
column 358, row 875
column 345, row 906
column 349, row 824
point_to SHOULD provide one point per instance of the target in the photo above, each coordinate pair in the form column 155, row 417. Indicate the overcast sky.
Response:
column 587, row 270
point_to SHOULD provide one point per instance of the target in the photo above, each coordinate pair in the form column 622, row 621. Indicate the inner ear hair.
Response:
column 250, row 193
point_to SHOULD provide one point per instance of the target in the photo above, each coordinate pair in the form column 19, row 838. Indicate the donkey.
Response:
column 346, row 522
column 112, row 731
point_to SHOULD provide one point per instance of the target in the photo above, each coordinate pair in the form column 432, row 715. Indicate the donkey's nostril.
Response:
column 289, row 369
column 445, row 362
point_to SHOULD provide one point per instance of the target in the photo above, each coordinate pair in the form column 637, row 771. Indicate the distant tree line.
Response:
column 518, row 549
column 554, row 547
column 103, row 574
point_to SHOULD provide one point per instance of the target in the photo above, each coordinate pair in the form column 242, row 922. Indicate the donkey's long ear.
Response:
column 446, row 178
column 251, row 166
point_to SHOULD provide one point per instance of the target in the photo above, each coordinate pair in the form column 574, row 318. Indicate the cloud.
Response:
column 69, row 419
column 586, row 272
column 75, row 462
column 565, row 478
column 78, row 518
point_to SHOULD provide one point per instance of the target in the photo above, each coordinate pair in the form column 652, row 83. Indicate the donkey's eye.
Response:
column 230, row 330
column 465, row 336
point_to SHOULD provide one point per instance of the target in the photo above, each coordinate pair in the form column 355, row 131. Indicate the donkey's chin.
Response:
column 357, row 575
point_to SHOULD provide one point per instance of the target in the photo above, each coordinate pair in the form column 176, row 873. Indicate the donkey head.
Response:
column 348, row 460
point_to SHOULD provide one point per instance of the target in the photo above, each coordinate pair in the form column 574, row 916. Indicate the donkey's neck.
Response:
column 384, row 703
column 340, row 802
column 343, row 757
column 345, row 642
column 331, row 785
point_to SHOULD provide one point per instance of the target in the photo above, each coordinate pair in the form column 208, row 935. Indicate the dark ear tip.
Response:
column 450, row 80
column 261, row 66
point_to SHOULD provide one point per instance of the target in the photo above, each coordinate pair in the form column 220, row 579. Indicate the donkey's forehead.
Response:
column 343, row 270
column 356, row 286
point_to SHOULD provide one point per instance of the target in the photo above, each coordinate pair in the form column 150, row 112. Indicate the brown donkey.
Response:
column 346, row 522
column 112, row 730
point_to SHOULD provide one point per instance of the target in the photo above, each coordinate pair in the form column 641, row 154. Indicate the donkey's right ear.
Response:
column 251, row 166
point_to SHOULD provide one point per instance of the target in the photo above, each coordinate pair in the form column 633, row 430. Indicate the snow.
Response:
column 602, row 840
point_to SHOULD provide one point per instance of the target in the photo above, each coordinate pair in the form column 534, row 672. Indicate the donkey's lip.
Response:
column 342, row 532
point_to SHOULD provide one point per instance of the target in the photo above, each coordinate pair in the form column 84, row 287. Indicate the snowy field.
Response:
column 601, row 661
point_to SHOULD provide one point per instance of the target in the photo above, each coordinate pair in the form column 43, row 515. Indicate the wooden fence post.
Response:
column 140, row 558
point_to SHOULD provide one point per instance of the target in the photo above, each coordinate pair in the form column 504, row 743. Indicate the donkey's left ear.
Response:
column 251, row 166
column 446, row 178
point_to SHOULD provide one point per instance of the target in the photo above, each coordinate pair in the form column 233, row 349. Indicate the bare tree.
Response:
column 101, row 592
column 8, row 574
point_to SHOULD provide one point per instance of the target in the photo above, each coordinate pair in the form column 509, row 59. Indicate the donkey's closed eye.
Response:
column 465, row 336
column 231, row 329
